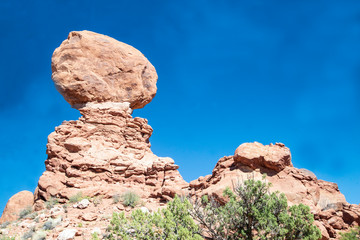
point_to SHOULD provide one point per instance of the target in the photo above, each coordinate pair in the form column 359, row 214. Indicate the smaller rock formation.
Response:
column 91, row 67
column 16, row 203
column 252, row 160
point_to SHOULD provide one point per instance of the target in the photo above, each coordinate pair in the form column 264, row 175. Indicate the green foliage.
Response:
column 76, row 198
column 80, row 225
column 172, row 223
column 130, row 199
column 97, row 200
column 51, row 223
column 51, row 203
column 94, row 236
column 354, row 234
column 25, row 212
column 252, row 212
column 116, row 198
column 29, row 234
column 5, row 224
column 6, row 238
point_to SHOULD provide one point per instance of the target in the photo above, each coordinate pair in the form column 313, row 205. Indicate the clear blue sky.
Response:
column 229, row 72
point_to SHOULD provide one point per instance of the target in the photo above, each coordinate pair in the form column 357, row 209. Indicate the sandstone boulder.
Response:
column 254, row 155
column 16, row 203
column 91, row 67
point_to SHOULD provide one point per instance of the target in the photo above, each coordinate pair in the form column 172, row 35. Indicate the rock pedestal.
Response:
column 106, row 152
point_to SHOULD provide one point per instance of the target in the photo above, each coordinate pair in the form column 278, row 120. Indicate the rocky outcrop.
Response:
column 253, row 160
column 16, row 203
column 106, row 151
column 91, row 67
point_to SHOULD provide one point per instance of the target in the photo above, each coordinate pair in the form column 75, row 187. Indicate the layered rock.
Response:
column 253, row 160
column 106, row 152
column 16, row 203
column 91, row 67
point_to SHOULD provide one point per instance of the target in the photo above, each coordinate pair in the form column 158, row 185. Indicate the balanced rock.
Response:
column 107, row 151
column 16, row 203
column 91, row 67
column 253, row 160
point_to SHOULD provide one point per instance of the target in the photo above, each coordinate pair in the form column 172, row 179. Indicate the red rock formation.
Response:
column 252, row 160
column 106, row 151
column 16, row 203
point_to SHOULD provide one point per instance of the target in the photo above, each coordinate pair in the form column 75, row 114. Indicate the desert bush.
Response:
column 76, row 198
column 48, row 225
column 173, row 222
column 5, row 224
column 51, row 202
column 252, row 212
column 51, row 223
column 130, row 199
column 94, row 236
column 6, row 238
column 116, row 198
column 354, row 234
column 29, row 234
column 97, row 200
column 26, row 211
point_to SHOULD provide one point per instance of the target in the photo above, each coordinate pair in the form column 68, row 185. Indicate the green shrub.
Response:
column 94, row 236
column 116, row 198
column 76, row 198
column 51, row 223
column 51, row 203
column 97, row 200
column 6, row 238
column 5, row 224
column 252, row 212
column 130, row 199
column 26, row 211
column 48, row 225
column 173, row 222
column 354, row 234
column 29, row 234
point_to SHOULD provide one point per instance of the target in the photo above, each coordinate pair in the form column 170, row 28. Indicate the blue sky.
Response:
column 229, row 72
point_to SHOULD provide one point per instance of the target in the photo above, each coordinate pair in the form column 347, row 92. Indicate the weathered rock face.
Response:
column 16, row 203
column 106, row 152
column 91, row 67
column 252, row 160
